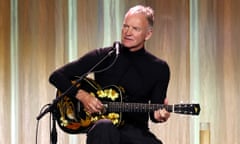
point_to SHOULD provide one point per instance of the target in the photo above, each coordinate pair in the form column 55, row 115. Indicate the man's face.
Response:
column 135, row 31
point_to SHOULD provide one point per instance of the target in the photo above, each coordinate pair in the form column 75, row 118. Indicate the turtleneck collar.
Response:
column 126, row 50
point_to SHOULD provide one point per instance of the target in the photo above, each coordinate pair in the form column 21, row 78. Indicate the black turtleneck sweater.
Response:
column 143, row 76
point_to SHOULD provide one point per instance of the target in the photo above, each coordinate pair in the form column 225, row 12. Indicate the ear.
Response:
column 149, row 34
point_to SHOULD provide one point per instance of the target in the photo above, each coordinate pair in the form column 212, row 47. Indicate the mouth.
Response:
column 127, row 39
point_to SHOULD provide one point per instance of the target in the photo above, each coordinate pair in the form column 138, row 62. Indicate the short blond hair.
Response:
column 147, row 11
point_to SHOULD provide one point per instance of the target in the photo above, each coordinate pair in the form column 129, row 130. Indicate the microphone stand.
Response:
column 53, row 105
column 53, row 135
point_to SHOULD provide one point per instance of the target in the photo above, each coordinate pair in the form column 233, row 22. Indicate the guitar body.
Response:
column 71, row 116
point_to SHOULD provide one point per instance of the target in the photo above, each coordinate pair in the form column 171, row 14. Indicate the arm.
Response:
column 159, row 95
column 62, row 78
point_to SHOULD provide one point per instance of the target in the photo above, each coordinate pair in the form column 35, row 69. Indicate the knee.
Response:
column 103, row 132
column 101, row 127
column 103, row 124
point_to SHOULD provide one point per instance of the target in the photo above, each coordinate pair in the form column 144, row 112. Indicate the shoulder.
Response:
column 158, row 66
column 100, row 50
column 156, row 60
column 97, row 52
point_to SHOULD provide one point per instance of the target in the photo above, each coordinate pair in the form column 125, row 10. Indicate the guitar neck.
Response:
column 188, row 109
column 135, row 107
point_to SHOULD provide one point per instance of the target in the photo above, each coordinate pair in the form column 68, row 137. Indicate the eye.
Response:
column 125, row 26
column 137, row 29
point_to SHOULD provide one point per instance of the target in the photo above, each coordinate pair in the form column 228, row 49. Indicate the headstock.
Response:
column 188, row 109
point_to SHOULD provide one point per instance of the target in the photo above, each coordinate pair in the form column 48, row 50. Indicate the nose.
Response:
column 129, row 31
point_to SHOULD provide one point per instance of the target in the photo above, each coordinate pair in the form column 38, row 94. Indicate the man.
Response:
column 143, row 76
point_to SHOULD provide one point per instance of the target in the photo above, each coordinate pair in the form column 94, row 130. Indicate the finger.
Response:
column 166, row 101
column 98, row 105
column 98, row 102
column 95, row 109
column 164, row 115
column 161, row 113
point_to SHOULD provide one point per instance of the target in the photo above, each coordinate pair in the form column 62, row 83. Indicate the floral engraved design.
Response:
column 108, row 93
column 114, row 117
column 66, row 107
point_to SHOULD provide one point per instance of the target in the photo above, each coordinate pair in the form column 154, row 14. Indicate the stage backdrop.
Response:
column 199, row 39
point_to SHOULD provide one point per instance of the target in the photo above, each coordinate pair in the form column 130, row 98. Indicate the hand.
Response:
column 91, row 104
column 162, row 115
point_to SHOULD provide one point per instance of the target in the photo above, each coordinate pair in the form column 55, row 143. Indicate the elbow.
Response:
column 53, row 78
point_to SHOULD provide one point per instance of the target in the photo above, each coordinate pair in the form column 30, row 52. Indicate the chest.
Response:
column 133, row 75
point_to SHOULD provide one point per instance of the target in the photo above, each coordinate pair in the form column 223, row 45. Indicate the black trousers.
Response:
column 104, row 132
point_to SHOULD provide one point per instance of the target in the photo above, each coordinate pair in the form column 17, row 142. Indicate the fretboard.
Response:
column 135, row 107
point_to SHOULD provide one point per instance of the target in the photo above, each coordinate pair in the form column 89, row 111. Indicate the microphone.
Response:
column 116, row 47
